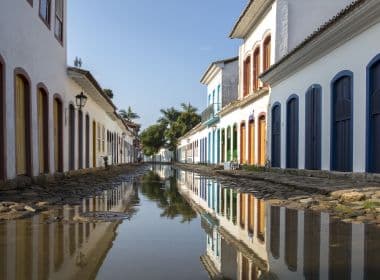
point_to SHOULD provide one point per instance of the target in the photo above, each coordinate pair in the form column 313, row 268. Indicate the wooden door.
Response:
column 42, row 104
column 2, row 130
column 251, row 142
column 223, row 145
column 374, row 119
column 58, row 133
column 71, row 137
column 262, row 140
column 276, row 137
column 80, row 139
column 242, row 210
column 342, row 125
column 313, row 121
column 261, row 219
column 87, row 141
column 243, row 143
column 251, row 213
column 93, row 144
column 21, row 126
column 292, row 134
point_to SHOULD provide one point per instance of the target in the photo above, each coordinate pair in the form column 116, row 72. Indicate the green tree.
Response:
column 153, row 139
column 108, row 92
column 129, row 114
column 169, row 116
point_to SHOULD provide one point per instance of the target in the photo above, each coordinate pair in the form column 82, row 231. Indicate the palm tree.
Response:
column 170, row 115
column 129, row 114
column 188, row 108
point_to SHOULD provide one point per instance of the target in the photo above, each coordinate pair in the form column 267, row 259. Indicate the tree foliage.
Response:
column 174, row 124
column 152, row 139
column 129, row 114
column 108, row 92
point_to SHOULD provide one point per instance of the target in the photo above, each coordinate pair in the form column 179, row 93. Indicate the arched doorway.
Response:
column 223, row 145
column 276, row 136
column 234, row 142
column 262, row 140
column 229, row 152
column 71, row 137
column 22, row 118
column 342, row 131
column 373, row 100
column 58, row 134
column 251, row 142
column 80, row 139
column 243, row 135
column 2, row 120
column 43, row 129
column 313, row 120
column 87, row 141
column 292, row 132
column 94, row 144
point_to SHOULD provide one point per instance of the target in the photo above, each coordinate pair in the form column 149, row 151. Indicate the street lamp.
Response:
column 81, row 100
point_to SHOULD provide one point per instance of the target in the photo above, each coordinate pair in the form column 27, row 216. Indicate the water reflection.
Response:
column 247, row 238
column 51, row 246
column 181, row 225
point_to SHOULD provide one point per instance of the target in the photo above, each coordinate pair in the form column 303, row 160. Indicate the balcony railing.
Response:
column 210, row 114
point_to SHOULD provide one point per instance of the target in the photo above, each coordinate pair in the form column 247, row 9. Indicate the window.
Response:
column 267, row 53
column 45, row 11
column 58, row 26
column 30, row 2
column 256, row 68
column 247, row 76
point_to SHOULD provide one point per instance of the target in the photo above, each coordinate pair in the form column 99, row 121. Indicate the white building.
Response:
column 324, row 101
column 41, row 128
column 269, row 30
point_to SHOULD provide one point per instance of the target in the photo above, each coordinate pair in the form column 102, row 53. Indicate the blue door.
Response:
column 292, row 133
column 342, row 124
column 374, row 118
column 276, row 136
column 313, row 128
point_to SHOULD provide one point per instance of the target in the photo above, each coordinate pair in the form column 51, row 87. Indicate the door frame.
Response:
column 259, row 134
column 312, row 87
column 3, row 129
column 58, row 98
column 275, row 105
column 350, row 74
column 43, row 89
column 28, row 122
column 290, row 98
column 369, row 130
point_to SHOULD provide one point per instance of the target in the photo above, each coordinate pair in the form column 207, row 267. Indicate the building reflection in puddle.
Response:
column 247, row 238
column 44, row 247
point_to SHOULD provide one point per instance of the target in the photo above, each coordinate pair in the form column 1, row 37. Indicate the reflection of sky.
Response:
column 151, row 247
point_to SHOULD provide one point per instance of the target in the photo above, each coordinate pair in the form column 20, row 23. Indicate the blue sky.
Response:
column 152, row 53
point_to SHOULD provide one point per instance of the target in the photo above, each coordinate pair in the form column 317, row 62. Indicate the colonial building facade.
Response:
column 269, row 30
column 41, row 127
column 324, row 104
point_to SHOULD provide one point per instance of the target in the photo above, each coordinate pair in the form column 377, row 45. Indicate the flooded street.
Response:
column 172, row 224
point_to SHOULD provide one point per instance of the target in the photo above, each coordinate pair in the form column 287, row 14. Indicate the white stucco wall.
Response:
column 350, row 56
column 27, row 43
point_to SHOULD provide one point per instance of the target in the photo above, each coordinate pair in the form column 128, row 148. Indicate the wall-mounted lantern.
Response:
column 81, row 100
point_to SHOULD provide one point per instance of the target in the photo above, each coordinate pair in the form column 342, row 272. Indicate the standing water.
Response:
column 173, row 224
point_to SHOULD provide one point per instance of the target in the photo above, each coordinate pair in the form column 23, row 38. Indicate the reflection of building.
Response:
column 247, row 238
column 164, row 171
column 35, row 249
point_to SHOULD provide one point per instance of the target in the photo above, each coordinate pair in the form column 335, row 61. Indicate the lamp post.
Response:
column 80, row 100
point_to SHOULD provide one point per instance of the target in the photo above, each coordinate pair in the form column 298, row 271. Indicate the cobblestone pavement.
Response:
column 350, row 198
column 68, row 189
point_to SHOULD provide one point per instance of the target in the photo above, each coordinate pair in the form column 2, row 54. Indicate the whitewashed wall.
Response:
column 349, row 56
